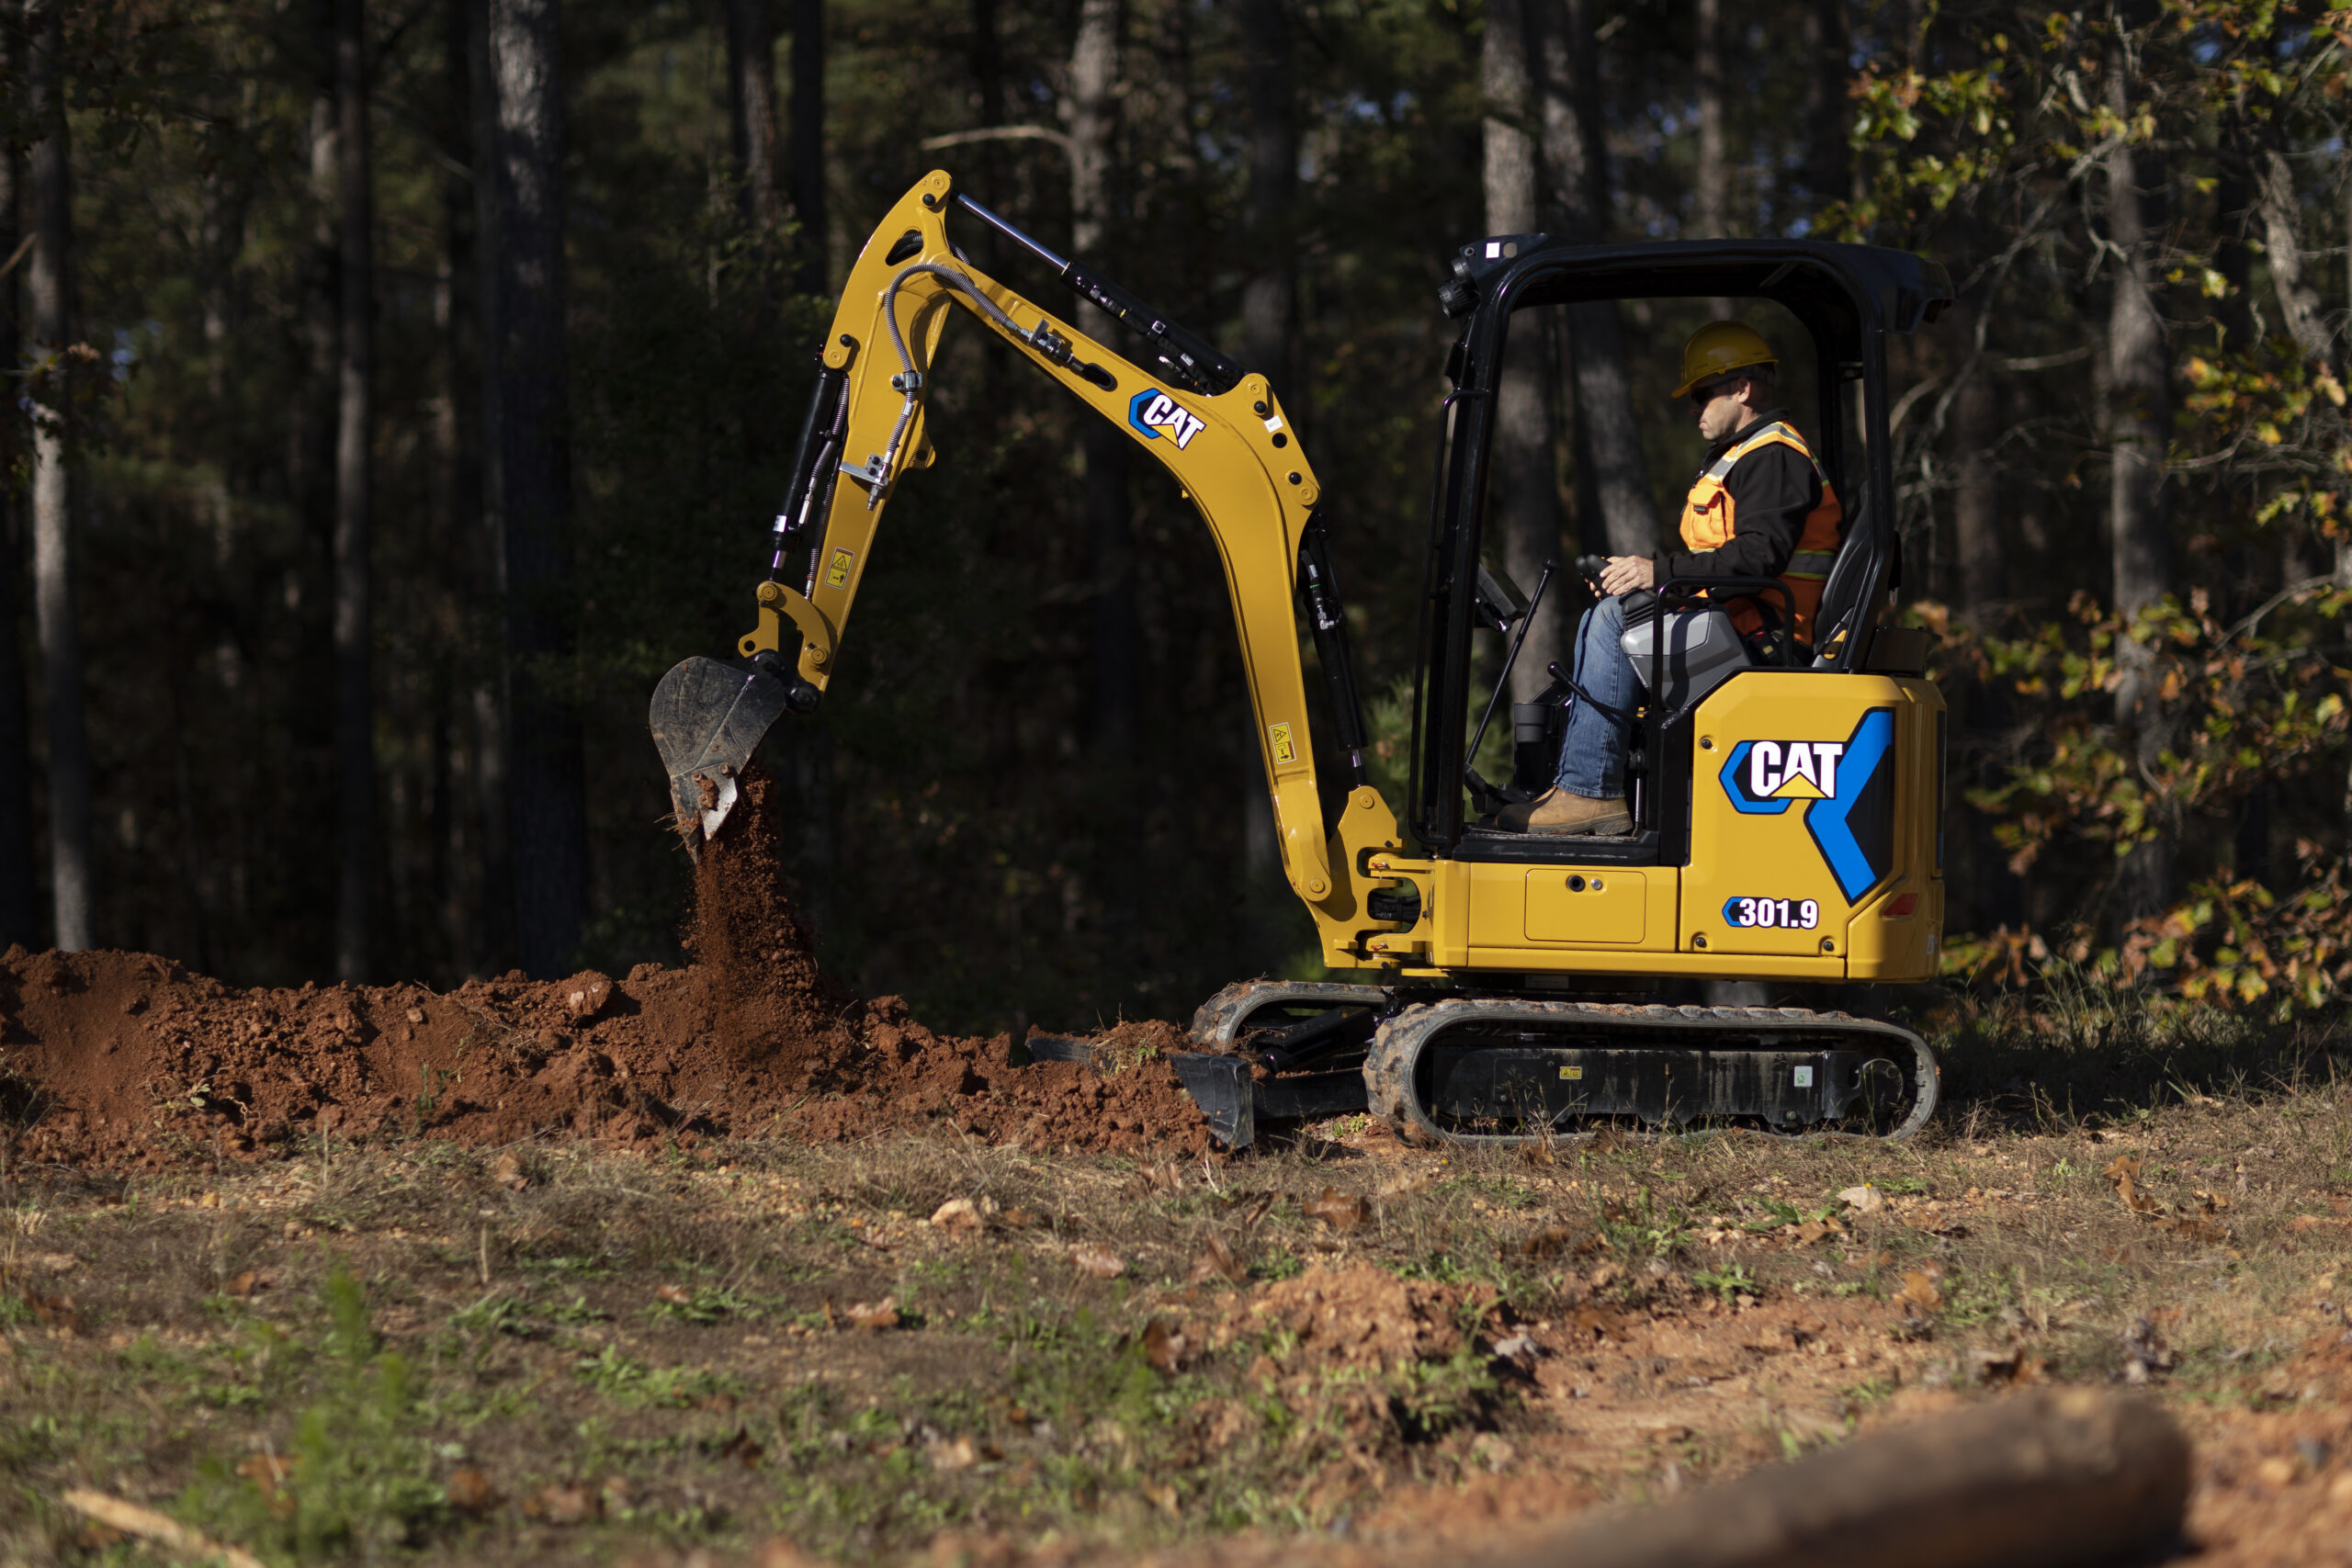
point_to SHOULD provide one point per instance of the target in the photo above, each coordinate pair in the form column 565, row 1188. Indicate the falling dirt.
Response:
column 127, row 1059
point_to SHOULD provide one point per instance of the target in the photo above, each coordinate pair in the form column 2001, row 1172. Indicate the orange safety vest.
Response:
column 1708, row 525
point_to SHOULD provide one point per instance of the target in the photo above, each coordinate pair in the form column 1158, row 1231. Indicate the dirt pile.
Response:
column 123, row 1058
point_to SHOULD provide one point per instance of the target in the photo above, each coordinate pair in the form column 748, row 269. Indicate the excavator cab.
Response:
column 1844, row 301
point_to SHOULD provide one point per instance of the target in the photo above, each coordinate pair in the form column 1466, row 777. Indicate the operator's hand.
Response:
column 1626, row 573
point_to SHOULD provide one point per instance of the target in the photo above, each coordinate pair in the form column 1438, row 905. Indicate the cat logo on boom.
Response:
column 1153, row 410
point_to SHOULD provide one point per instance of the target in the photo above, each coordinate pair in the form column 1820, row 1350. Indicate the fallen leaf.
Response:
column 2124, row 1171
column 59, row 1313
column 1163, row 1347
column 1593, row 1321
column 958, row 1214
column 1549, row 1241
column 1340, row 1213
column 876, row 1317
column 952, row 1453
column 563, row 1505
column 1216, row 1261
column 1864, row 1200
column 470, row 1492
column 1919, row 1292
column 1098, row 1261
column 506, row 1170
column 676, row 1295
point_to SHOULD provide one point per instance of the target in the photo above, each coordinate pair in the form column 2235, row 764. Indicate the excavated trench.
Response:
column 126, row 1059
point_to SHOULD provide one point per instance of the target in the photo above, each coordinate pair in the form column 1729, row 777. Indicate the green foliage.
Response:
column 617, row 1376
column 1727, row 1281
column 353, row 1473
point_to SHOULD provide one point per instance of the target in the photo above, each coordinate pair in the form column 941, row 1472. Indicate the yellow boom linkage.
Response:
column 1233, row 455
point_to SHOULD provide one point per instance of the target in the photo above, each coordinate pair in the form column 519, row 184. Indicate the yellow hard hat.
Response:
column 1720, row 346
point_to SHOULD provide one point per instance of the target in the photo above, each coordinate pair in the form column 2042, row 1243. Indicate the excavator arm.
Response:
column 1218, row 431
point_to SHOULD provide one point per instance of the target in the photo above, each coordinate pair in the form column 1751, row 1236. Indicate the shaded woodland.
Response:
column 402, row 386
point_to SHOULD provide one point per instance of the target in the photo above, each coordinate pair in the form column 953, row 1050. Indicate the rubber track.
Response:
column 1396, row 1049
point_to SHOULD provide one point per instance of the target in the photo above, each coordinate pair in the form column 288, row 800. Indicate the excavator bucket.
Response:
column 707, row 717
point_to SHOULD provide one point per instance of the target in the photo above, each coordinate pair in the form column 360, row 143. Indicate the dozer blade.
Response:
column 707, row 717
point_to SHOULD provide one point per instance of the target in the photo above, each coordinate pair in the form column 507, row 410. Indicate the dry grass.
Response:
column 437, row 1353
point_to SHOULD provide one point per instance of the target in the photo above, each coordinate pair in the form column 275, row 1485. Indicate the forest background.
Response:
column 403, row 386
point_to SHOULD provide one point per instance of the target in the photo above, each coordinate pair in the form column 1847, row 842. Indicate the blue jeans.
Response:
column 1592, row 752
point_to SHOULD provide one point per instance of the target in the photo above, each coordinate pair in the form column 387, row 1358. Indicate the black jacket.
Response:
column 1772, row 490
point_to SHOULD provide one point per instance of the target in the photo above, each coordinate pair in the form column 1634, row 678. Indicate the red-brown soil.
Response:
column 124, row 1058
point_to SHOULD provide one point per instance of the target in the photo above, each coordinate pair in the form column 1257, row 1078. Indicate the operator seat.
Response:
column 1839, row 614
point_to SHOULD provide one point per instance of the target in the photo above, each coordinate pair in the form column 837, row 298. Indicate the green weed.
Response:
column 353, row 1476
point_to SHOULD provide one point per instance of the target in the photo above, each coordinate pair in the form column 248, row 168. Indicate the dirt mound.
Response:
column 124, row 1058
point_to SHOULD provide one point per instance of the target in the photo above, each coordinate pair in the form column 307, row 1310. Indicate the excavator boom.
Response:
column 1218, row 429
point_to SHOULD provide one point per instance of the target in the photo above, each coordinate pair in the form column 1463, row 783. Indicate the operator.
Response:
column 1760, row 507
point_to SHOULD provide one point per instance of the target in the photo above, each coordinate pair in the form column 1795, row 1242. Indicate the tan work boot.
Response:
column 1557, row 811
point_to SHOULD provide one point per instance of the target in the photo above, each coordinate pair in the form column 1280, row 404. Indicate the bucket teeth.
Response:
column 707, row 717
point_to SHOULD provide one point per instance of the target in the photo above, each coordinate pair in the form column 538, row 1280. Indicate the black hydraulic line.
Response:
column 1185, row 357
column 1321, row 590
column 820, row 436
column 1526, row 623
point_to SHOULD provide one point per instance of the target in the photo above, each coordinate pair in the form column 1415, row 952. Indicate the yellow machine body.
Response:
column 1813, row 857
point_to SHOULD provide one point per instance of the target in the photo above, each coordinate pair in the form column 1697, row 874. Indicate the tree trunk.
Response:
column 1709, row 203
column 1270, row 298
column 2139, row 419
column 1976, row 498
column 750, row 100
column 19, row 898
column 988, row 62
column 809, row 141
column 1526, row 499
column 548, row 811
column 2299, row 302
column 1092, row 110
column 491, row 699
column 72, row 894
column 1829, row 41
column 1612, row 478
column 355, row 718
column 462, row 872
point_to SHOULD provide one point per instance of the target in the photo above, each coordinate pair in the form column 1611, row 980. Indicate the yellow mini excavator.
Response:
column 1786, row 810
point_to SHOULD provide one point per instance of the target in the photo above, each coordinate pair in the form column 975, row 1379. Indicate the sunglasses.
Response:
column 1702, row 396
